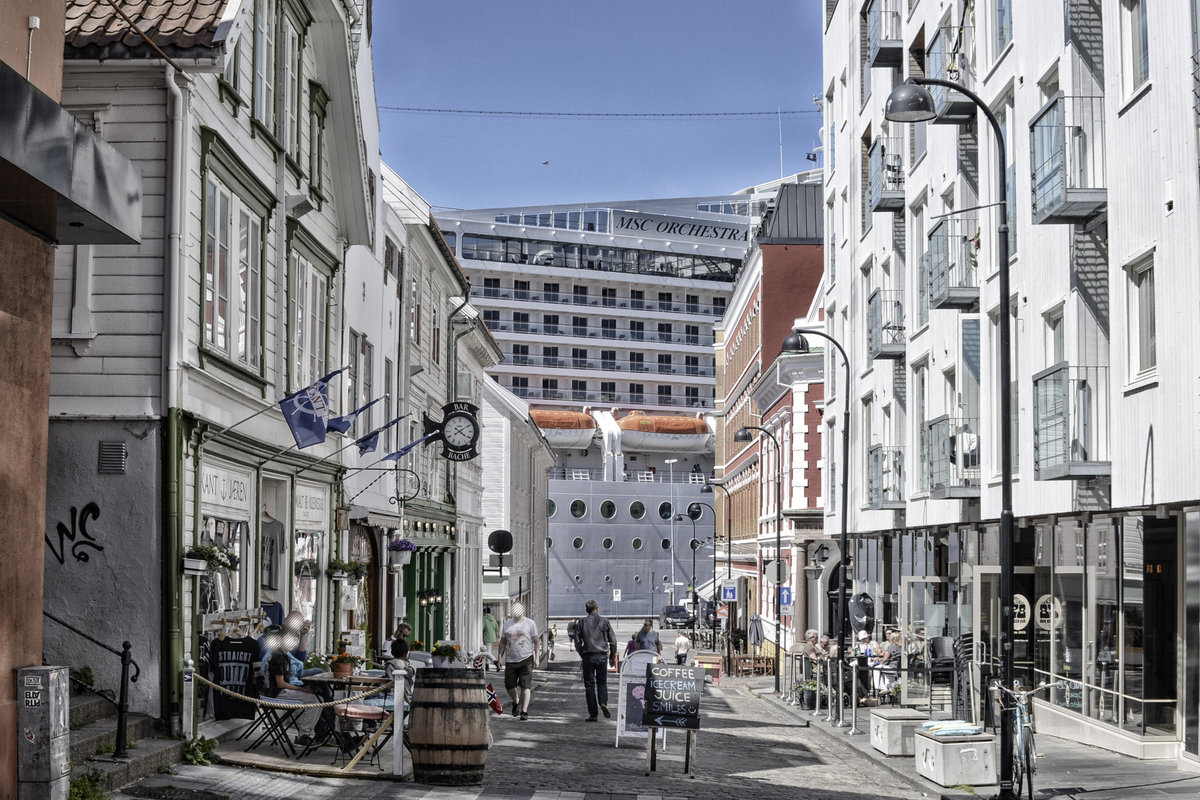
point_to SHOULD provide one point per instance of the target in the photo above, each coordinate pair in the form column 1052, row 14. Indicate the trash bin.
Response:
column 448, row 726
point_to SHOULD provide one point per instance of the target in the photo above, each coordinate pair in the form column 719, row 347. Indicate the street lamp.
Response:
column 743, row 435
column 795, row 344
column 670, row 462
column 713, row 625
column 911, row 102
column 707, row 488
column 692, row 586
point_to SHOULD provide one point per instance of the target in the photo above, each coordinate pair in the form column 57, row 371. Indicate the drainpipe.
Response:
column 172, row 338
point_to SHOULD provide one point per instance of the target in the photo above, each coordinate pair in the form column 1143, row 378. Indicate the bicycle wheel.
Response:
column 1028, row 757
column 1019, row 777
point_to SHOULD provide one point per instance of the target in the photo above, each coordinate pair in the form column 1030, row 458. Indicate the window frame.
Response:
column 312, row 273
column 1141, row 307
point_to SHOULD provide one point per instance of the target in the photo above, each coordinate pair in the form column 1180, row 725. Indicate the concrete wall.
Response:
column 103, row 553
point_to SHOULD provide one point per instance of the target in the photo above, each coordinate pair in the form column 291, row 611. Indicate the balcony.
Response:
column 886, row 174
column 953, row 457
column 947, row 60
column 953, row 262
column 1067, row 154
column 885, row 324
column 1071, row 423
column 885, row 48
column 885, row 477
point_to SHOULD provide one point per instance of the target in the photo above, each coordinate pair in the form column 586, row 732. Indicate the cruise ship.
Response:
column 605, row 314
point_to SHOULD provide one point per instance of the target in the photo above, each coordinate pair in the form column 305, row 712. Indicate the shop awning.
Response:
column 374, row 518
column 706, row 588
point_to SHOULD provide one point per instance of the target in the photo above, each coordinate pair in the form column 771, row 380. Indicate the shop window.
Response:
column 220, row 587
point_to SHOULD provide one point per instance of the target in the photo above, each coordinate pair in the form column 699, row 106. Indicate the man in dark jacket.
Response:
column 595, row 640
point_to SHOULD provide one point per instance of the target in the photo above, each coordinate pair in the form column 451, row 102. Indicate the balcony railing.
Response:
column 559, row 298
column 953, row 262
column 947, row 60
column 1066, row 141
column 953, row 457
column 1071, row 423
column 592, row 332
column 885, row 324
column 886, row 173
column 623, row 399
column 885, row 477
column 885, row 48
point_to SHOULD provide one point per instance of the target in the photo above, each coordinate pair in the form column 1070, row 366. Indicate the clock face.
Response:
column 459, row 431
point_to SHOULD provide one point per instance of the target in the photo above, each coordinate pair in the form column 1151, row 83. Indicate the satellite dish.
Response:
column 500, row 541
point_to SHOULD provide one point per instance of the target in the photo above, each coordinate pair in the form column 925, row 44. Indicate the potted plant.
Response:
column 346, row 570
column 808, row 694
column 344, row 663
column 400, row 551
column 444, row 654
column 208, row 558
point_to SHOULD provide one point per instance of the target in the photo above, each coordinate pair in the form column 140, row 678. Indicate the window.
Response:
column 718, row 306
column 353, row 370
column 691, row 396
column 1004, row 115
column 577, row 543
column 608, row 509
column 580, row 295
column 550, row 389
column 437, row 338
column 1056, row 346
column 520, row 321
column 664, row 301
column 920, row 379
column 578, row 508
column 368, row 385
column 636, row 393
column 607, row 544
column 692, row 334
column 233, row 247
column 665, row 510
column 664, row 395
column 491, row 318
column 551, row 507
column 310, row 294
column 391, row 259
column 608, row 328
column 637, row 509
column 550, row 356
column 521, row 290
column 520, row 386
column 608, row 359
column 608, row 391
column 1003, row 26
column 664, row 331
column 637, row 362
column 549, row 323
column 1142, row 346
column 691, row 365
column 264, row 62
column 1135, row 45
column 520, row 354
column 289, row 124
column 609, row 295
column 664, row 362
column 491, row 287
column 578, row 390
column 637, row 298
column 318, row 103
column 637, row 330
column 579, row 326
column 579, row 357
column 693, row 303
column 550, row 292
column 388, row 374
column 637, row 544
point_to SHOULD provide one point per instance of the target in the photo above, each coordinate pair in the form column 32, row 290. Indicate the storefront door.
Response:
column 924, row 614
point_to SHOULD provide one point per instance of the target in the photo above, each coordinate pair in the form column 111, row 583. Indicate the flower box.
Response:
column 398, row 558
column 194, row 566
column 339, row 575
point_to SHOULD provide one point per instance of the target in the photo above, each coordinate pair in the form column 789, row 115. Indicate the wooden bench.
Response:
column 711, row 662
column 752, row 665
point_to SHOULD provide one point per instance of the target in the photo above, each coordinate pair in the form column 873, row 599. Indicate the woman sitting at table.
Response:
column 886, row 663
column 284, row 685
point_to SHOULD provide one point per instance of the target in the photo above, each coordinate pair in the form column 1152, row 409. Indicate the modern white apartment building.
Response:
column 1098, row 104
column 605, row 315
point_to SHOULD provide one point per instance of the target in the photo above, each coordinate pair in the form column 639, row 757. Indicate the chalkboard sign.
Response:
column 673, row 696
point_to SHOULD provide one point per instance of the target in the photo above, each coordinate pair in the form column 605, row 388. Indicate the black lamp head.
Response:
column 909, row 102
column 743, row 435
column 794, row 343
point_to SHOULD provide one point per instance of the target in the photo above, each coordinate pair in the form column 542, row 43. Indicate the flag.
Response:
column 494, row 701
column 306, row 412
column 403, row 451
column 342, row 424
column 368, row 443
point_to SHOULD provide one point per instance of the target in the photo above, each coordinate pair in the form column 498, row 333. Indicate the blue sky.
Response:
column 610, row 56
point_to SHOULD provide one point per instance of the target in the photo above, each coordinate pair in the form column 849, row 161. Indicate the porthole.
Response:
column 608, row 578
column 608, row 509
column 551, row 507
column 608, row 543
column 577, row 543
column 549, row 543
column 637, row 578
column 578, row 508
column 577, row 579
column 665, row 510
column 637, row 509
column 666, row 544
column 637, row 544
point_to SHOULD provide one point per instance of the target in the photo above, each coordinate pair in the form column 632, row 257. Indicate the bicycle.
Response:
column 1024, row 757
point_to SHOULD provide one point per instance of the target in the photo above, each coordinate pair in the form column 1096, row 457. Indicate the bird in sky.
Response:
column 545, row 163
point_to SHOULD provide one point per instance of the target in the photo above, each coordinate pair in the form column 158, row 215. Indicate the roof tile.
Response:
column 180, row 27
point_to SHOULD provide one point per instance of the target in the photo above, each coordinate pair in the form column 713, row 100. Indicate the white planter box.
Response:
column 892, row 730
column 398, row 558
column 194, row 566
column 956, row 761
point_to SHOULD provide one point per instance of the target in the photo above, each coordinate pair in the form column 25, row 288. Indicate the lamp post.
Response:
column 707, row 488
column 795, row 343
column 670, row 462
column 692, row 586
column 743, row 435
column 713, row 625
column 911, row 102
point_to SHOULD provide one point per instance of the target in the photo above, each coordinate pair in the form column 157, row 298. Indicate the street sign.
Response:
column 786, row 610
column 729, row 593
column 616, row 595
column 785, row 595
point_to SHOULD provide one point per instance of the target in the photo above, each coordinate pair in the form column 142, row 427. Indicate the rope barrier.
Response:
column 387, row 687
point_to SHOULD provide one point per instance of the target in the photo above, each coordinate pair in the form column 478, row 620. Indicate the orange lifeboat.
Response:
column 642, row 432
column 564, row 428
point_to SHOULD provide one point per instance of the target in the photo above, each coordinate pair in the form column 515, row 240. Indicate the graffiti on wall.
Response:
column 78, row 528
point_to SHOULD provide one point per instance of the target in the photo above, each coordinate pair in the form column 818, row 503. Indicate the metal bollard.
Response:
column 830, row 697
column 853, row 700
column 821, row 669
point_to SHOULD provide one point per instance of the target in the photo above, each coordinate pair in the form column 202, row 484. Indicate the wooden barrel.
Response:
column 448, row 726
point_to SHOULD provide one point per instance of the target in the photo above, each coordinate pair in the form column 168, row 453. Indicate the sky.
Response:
column 590, row 57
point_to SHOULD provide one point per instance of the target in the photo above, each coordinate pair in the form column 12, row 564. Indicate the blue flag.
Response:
column 342, row 424
column 403, row 451
column 306, row 412
column 368, row 443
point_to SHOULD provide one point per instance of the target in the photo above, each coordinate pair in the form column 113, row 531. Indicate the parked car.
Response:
column 674, row 617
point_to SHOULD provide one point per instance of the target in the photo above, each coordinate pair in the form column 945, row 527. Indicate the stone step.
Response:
column 100, row 736
column 87, row 708
column 146, row 757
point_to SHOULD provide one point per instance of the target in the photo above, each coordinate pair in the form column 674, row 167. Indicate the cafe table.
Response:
column 354, row 681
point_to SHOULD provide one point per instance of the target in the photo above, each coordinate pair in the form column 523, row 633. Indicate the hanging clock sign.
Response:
column 459, row 431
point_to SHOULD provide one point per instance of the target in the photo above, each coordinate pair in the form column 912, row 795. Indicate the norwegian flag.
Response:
column 494, row 701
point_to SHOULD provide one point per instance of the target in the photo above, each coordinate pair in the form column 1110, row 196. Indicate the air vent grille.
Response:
column 112, row 458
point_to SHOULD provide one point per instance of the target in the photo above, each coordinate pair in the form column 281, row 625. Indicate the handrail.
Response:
column 122, row 744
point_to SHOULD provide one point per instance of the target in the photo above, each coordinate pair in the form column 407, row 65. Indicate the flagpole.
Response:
column 383, row 458
column 207, row 438
column 316, row 464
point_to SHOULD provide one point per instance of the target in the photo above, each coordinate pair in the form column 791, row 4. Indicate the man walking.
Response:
column 596, row 640
column 682, row 645
column 491, row 633
column 520, row 646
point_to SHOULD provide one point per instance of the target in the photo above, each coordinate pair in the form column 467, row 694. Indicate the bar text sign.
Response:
column 673, row 696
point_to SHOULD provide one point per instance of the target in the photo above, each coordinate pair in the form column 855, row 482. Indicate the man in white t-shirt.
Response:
column 519, row 646
column 682, row 645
